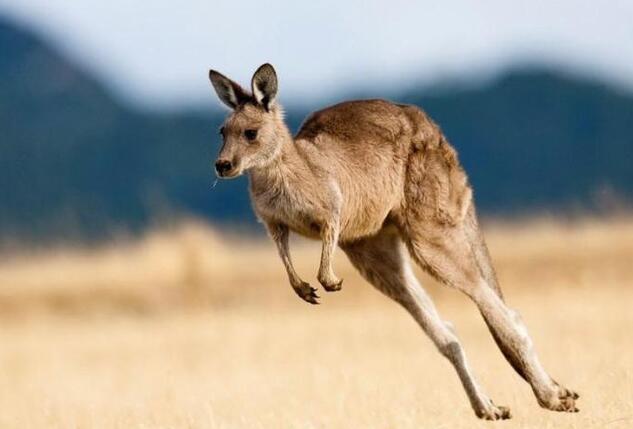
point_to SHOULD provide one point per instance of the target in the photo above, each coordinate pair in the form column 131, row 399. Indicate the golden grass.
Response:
column 190, row 329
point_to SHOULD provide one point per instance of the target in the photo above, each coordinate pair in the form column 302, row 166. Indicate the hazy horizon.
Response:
column 158, row 57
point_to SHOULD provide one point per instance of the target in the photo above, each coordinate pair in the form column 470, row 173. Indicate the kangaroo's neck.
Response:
column 283, row 172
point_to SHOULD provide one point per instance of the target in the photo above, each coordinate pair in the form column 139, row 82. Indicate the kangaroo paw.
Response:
column 562, row 399
column 494, row 412
column 332, row 287
column 306, row 292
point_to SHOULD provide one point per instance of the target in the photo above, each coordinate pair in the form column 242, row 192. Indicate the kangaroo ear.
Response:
column 264, row 85
column 229, row 92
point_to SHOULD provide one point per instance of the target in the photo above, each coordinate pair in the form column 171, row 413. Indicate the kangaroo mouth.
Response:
column 230, row 174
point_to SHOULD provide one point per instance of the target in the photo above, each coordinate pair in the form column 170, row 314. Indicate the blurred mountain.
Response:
column 74, row 162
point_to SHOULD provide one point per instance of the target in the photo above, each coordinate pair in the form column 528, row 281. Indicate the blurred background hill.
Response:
column 76, row 161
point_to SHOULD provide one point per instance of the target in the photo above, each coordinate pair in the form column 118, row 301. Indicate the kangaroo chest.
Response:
column 303, row 211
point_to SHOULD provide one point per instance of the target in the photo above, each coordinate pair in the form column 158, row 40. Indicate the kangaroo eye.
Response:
column 222, row 131
column 250, row 134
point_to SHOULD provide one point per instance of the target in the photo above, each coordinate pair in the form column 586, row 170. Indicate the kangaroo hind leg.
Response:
column 457, row 256
column 382, row 261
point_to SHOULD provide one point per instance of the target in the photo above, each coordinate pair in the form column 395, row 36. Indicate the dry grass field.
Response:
column 186, row 328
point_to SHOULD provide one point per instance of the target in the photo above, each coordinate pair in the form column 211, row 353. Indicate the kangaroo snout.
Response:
column 223, row 166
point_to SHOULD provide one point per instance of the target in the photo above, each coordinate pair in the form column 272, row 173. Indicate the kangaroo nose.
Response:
column 222, row 166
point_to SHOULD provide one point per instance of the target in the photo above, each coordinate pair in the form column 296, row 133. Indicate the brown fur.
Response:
column 374, row 178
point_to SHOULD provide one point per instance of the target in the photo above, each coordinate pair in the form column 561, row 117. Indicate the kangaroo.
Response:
column 376, row 179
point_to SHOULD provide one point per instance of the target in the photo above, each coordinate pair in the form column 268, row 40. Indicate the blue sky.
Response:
column 157, row 53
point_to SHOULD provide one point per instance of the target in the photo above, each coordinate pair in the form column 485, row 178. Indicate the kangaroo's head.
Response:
column 254, row 130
